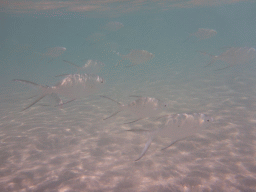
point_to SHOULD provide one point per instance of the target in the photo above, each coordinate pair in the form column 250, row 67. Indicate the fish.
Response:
column 233, row 56
column 55, row 51
column 90, row 67
column 73, row 86
column 52, row 53
column 202, row 34
column 178, row 127
column 142, row 107
column 137, row 57
column 113, row 26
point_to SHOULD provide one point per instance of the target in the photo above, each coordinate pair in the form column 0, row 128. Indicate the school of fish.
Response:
column 86, row 82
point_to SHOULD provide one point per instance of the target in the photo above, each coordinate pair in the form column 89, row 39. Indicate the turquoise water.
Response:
column 71, row 147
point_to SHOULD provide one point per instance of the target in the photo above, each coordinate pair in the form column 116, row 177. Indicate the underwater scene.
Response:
column 128, row 96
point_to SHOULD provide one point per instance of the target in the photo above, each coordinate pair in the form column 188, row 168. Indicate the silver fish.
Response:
column 73, row 85
column 52, row 53
column 137, row 57
column 203, row 33
column 178, row 127
column 90, row 67
column 55, row 51
column 234, row 56
column 142, row 107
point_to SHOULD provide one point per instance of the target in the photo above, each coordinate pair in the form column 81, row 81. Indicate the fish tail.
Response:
column 103, row 96
column 111, row 115
column 210, row 55
column 145, row 148
column 152, row 136
column 46, row 90
column 174, row 143
column 223, row 68
column 133, row 121
column 69, row 62
column 37, row 100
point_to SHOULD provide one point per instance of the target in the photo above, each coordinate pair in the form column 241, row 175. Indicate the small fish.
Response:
column 137, row 57
column 90, row 67
column 52, row 53
column 79, row 85
column 202, row 34
column 73, row 85
column 142, row 107
column 178, row 127
column 113, row 26
column 55, row 51
column 234, row 56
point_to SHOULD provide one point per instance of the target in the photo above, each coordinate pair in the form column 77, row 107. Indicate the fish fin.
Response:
column 212, row 56
column 103, row 96
column 61, row 75
column 61, row 104
column 133, row 121
column 34, row 85
column 56, row 98
column 161, row 117
column 68, row 101
column 32, row 97
column 71, row 63
column 29, row 83
column 111, row 115
column 152, row 135
column 145, row 148
column 174, row 143
column 138, row 130
column 223, row 68
column 170, row 145
column 134, row 96
column 41, row 97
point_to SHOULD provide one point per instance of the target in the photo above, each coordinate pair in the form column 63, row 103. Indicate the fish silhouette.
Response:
column 234, row 56
column 51, row 53
column 178, row 127
column 137, row 57
column 73, row 86
column 55, row 51
column 90, row 67
column 142, row 107
column 202, row 33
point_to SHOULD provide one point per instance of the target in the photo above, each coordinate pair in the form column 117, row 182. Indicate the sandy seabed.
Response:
column 73, row 149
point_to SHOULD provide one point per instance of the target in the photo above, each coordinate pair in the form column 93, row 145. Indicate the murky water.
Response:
column 72, row 148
